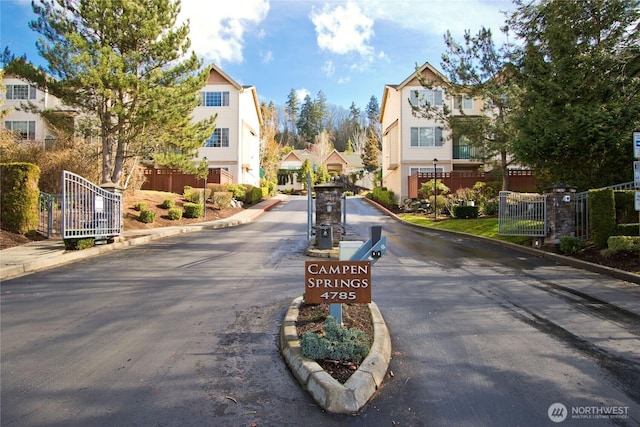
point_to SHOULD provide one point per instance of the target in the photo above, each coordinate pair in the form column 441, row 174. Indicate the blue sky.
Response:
column 347, row 49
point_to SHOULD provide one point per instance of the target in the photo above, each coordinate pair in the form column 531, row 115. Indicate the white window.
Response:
column 215, row 99
column 463, row 102
column 21, row 92
column 426, row 137
column 432, row 97
column 24, row 129
column 220, row 138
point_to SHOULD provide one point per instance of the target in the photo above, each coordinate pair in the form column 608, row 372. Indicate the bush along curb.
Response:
column 328, row 393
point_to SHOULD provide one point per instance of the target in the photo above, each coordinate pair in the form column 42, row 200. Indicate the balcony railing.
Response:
column 465, row 152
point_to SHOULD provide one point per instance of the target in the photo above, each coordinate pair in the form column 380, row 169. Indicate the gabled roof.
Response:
column 215, row 71
column 427, row 70
column 300, row 155
column 335, row 154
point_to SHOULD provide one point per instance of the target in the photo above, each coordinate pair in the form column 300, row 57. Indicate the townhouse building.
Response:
column 411, row 143
column 234, row 145
column 23, row 121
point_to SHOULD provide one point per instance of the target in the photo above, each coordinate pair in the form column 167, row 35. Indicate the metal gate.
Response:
column 88, row 210
column 583, row 231
column 50, row 215
column 522, row 214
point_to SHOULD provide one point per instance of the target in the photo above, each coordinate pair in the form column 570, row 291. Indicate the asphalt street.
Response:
column 183, row 331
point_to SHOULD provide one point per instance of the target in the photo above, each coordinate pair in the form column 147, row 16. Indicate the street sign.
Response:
column 636, row 145
column 638, row 201
column 636, row 173
column 337, row 282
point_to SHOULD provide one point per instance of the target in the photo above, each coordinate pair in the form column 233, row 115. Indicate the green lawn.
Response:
column 486, row 227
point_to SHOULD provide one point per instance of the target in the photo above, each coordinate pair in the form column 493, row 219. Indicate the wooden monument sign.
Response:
column 337, row 282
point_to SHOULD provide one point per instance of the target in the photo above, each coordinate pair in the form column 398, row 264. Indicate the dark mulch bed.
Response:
column 625, row 261
column 312, row 316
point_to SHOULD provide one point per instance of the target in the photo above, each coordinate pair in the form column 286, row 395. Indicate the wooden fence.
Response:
column 174, row 181
column 519, row 180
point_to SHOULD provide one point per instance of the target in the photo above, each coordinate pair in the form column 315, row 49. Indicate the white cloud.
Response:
column 328, row 68
column 267, row 57
column 435, row 17
column 218, row 28
column 301, row 94
column 343, row 30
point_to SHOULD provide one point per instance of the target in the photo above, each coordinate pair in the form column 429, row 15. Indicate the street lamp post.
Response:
column 204, row 193
column 435, row 189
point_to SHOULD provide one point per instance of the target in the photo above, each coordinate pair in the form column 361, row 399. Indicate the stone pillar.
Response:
column 561, row 212
column 329, row 208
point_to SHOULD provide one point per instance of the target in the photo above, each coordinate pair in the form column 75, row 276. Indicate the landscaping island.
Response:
column 328, row 392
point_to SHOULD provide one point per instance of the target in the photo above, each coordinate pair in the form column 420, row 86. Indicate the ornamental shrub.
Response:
column 193, row 210
column 222, row 199
column 168, row 204
column 147, row 216
column 628, row 230
column 464, row 211
column 140, row 206
column 217, row 187
column 602, row 216
column 239, row 191
column 624, row 243
column 569, row 245
column 19, row 196
column 79, row 244
column 252, row 194
column 338, row 343
column 174, row 214
column 383, row 196
column 489, row 207
column 193, row 195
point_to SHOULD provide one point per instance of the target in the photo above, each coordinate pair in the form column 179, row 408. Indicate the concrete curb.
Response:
column 573, row 262
column 347, row 398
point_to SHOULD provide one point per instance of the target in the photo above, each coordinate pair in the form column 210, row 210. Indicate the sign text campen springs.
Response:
column 337, row 282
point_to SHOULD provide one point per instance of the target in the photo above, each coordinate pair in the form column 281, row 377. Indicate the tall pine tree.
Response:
column 125, row 63
column 581, row 98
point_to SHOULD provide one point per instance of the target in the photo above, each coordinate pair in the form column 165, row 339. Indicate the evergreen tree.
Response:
column 305, row 124
column 269, row 152
column 291, row 111
column 320, row 112
column 322, row 174
column 373, row 117
column 373, row 111
column 354, row 116
column 478, row 70
column 370, row 155
column 126, row 64
column 302, row 173
column 581, row 101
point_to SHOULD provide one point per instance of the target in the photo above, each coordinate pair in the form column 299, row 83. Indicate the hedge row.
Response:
column 19, row 196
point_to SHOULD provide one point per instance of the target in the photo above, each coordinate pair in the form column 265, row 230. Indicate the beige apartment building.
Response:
column 412, row 144
column 235, row 143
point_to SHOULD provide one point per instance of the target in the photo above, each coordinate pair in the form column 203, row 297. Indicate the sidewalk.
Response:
column 36, row 256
